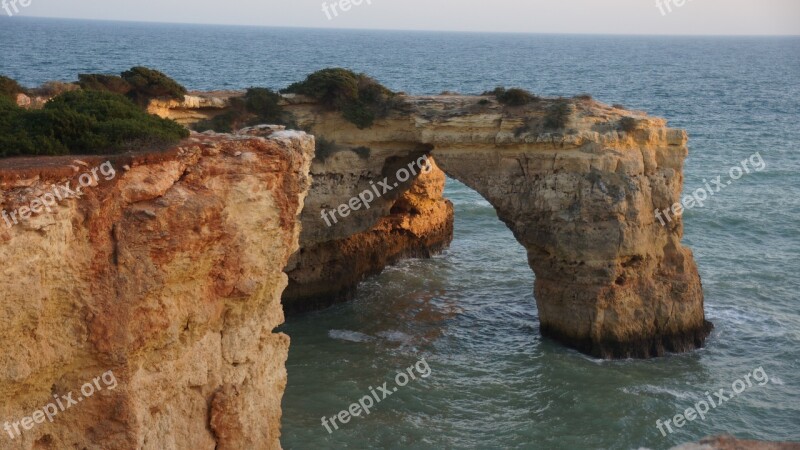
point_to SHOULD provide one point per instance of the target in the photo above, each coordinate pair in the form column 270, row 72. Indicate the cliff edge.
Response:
column 139, row 313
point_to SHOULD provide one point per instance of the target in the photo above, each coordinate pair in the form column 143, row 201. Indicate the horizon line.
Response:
column 157, row 22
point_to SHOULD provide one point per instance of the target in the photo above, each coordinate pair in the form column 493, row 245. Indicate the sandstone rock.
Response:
column 170, row 276
column 23, row 101
column 611, row 281
column 194, row 107
column 418, row 224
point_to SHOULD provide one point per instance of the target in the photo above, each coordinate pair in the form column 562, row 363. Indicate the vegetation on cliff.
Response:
column 628, row 124
column 140, row 84
column 149, row 83
column 9, row 88
column 100, row 82
column 556, row 118
column 557, row 115
column 359, row 98
column 513, row 96
column 81, row 122
column 259, row 105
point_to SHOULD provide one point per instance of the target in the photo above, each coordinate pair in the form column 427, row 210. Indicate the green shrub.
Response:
column 513, row 96
column 618, row 106
column 484, row 102
column 257, row 106
column 360, row 114
column 627, row 124
column 83, row 122
column 516, row 97
column 557, row 115
column 99, row 82
column 264, row 104
column 148, row 84
column 333, row 88
column 10, row 88
column 140, row 84
column 360, row 98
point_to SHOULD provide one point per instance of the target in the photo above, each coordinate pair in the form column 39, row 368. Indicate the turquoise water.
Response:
column 495, row 383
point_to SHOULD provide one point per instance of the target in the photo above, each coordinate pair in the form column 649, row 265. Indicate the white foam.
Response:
column 395, row 336
column 662, row 390
column 350, row 336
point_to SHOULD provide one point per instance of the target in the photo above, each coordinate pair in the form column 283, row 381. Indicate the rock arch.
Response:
column 611, row 280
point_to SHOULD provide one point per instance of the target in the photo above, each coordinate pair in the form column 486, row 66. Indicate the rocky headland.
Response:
column 174, row 273
column 610, row 279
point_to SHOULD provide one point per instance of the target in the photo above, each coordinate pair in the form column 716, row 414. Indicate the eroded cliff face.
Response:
column 333, row 260
column 193, row 108
column 166, row 278
column 611, row 280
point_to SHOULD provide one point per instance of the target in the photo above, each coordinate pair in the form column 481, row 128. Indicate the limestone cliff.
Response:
column 413, row 220
column 610, row 280
column 417, row 224
column 194, row 107
column 168, row 276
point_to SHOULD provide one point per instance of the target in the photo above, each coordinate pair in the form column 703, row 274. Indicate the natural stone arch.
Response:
column 611, row 281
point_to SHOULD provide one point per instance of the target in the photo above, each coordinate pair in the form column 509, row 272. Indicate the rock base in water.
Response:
column 645, row 347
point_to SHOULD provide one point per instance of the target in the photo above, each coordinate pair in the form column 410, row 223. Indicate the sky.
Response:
column 693, row 17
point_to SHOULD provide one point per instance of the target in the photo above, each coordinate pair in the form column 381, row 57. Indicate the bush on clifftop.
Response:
column 82, row 122
column 513, row 96
column 140, row 84
column 149, row 83
column 628, row 124
column 99, row 82
column 359, row 98
column 10, row 88
column 264, row 103
column 557, row 115
column 258, row 106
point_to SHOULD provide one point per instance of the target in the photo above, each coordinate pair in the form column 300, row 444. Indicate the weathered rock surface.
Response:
column 194, row 107
column 611, row 280
column 417, row 225
column 168, row 275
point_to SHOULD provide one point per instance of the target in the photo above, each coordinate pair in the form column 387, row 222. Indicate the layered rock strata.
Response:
column 418, row 224
column 610, row 279
column 167, row 278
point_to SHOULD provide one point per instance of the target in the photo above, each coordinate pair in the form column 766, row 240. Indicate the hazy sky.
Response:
column 532, row 16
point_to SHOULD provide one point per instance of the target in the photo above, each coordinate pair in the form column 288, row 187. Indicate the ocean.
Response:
column 494, row 383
